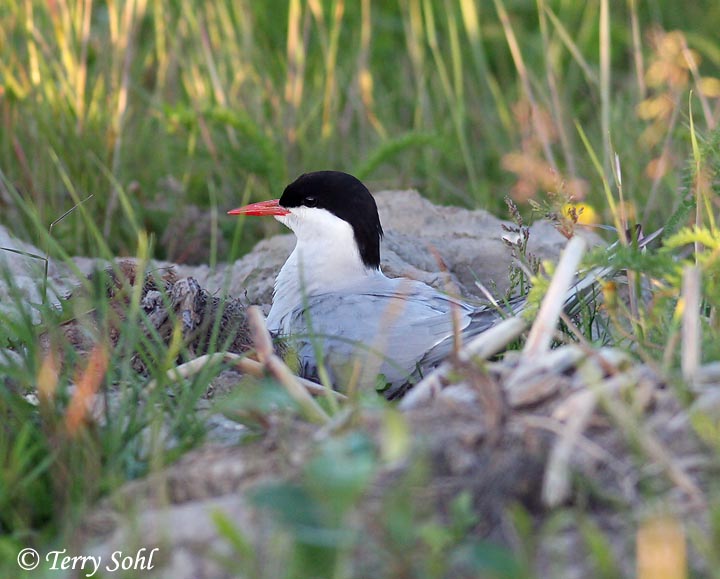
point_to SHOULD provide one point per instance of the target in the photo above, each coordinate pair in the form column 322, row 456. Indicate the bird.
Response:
column 338, row 310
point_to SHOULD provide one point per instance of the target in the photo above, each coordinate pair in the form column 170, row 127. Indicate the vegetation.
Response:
column 164, row 111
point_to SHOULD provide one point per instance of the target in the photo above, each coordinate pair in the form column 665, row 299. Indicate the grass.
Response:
column 233, row 100
column 154, row 107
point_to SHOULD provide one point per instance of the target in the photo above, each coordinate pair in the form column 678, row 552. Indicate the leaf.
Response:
column 290, row 504
column 392, row 148
column 485, row 559
column 396, row 439
column 25, row 253
column 235, row 537
column 341, row 470
column 710, row 239
column 661, row 550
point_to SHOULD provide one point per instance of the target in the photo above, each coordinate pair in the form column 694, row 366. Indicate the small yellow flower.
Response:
column 610, row 294
column 661, row 550
column 586, row 214
column 710, row 87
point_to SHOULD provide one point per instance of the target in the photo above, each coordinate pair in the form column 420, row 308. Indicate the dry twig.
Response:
column 489, row 343
column 690, row 361
column 556, row 482
column 543, row 329
column 264, row 348
column 243, row 363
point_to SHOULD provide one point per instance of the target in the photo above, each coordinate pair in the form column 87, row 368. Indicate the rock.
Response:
column 185, row 238
column 26, row 273
column 184, row 539
column 469, row 243
column 252, row 276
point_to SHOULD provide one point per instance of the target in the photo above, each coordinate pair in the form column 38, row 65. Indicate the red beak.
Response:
column 271, row 207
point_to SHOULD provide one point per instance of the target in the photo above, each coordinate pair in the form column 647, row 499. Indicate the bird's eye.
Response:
column 310, row 201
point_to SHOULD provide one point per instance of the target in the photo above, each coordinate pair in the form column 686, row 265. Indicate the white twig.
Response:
column 243, row 363
column 556, row 482
column 263, row 345
column 690, row 359
column 541, row 333
column 487, row 344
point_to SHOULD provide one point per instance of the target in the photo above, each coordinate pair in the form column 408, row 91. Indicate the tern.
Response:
column 335, row 305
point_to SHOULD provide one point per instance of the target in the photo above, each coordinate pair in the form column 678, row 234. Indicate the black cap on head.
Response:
column 346, row 197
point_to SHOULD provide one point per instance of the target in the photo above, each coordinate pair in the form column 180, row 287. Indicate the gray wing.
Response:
column 480, row 319
column 389, row 331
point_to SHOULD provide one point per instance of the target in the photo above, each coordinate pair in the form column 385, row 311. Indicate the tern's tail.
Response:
column 584, row 293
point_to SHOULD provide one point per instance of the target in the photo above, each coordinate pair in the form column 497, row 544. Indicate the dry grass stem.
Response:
column 692, row 66
column 556, row 482
column 488, row 295
column 587, row 445
column 649, row 443
column 578, row 410
column 542, row 331
column 493, row 340
column 690, row 357
column 605, row 82
column 263, row 344
column 637, row 51
column 261, row 336
column 537, row 378
column 487, row 344
column 451, row 290
column 242, row 363
column 526, row 83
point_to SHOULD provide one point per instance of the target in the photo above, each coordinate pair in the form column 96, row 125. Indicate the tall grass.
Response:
column 464, row 100
column 152, row 105
column 69, row 434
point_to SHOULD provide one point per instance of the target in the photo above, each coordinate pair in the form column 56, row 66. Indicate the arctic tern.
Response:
column 333, row 302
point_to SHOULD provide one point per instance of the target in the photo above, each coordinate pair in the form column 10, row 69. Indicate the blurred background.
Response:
column 170, row 112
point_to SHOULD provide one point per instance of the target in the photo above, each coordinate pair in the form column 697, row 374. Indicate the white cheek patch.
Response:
column 286, row 220
column 319, row 225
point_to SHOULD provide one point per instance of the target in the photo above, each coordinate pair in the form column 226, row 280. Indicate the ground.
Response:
column 552, row 460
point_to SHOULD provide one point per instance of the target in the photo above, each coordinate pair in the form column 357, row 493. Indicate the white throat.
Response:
column 325, row 259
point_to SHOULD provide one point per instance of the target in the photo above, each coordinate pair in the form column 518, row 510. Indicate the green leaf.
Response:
column 342, row 470
column 390, row 149
column 486, row 559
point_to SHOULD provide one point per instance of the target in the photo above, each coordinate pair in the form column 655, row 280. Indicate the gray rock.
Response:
column 20, row 275
column 469, row 243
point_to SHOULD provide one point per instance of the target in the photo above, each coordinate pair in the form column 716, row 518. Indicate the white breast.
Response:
column 325, row 260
